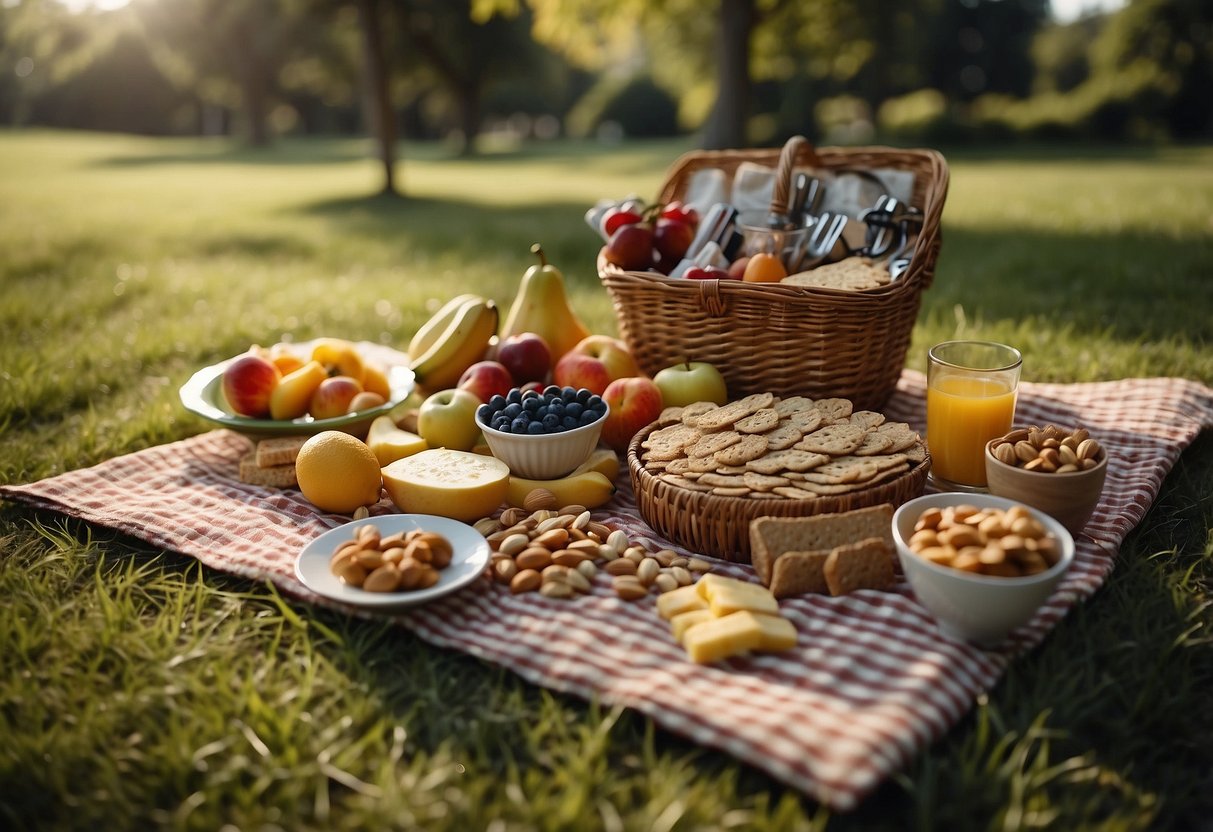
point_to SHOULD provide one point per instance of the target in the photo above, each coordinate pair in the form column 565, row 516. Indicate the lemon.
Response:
column 337, row 472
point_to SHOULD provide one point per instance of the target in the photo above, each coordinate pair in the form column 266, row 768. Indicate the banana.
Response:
column 603, row 460
column 430, row 331
column 589, row 488
column 460, row 345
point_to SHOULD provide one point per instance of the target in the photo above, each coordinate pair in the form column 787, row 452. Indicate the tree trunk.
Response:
column 378, row 103
column 726, row 127
column 256, row 104
column 469, row 117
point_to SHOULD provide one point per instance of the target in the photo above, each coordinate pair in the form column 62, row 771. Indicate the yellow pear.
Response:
column 293, row 394
column 542, row 307
column 389, row 443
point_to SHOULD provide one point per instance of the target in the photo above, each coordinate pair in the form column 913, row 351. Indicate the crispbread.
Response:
column 760, row 421
column 683, row 482
column 806, row 420
column 669, row 416
column 763, row 482
column 832, row 439
column 795, row 573
column 821, row 531
column 852, row 274
column 874, row 443
column 693, row 411
column 866, row 419
column 784, row 436
column 848, row 470
column 787, row 460
column 733, row 411
column 867, row 564
column 833, row 408
column 279, row 450
column 275, row 476
column 710, row 443
column 792, row 404
column 750, row 447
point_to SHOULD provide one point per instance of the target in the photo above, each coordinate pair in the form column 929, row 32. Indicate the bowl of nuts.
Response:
column 1057, row 471
column 543, row 435
column 981, row 565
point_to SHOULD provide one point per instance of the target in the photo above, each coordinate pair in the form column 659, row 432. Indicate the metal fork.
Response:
column 825, row 235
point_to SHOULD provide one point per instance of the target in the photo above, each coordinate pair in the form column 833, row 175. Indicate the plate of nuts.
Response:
column 393, row 560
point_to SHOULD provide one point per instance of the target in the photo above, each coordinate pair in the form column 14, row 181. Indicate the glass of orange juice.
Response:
column 971, row 391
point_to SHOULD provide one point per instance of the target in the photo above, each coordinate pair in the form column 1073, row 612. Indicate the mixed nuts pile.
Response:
column 1049, row 450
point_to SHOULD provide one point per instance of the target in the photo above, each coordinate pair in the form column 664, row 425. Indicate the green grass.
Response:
column 138, row 689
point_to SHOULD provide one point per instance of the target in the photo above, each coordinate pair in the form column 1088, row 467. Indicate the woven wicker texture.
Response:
column 787, row 340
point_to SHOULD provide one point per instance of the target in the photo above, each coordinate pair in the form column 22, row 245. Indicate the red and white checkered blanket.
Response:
column 871, row 683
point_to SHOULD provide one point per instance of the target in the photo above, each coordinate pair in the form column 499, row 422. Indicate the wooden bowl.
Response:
column 1068, row 498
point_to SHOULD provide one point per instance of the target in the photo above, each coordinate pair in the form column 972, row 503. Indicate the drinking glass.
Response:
column 971, row 391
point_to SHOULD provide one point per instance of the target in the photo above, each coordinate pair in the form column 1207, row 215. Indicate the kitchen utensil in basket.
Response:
column 788, row 340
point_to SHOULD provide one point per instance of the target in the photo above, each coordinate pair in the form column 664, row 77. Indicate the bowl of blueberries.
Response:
column 543, row 435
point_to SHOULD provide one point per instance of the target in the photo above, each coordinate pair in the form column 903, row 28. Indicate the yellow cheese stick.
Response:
column 709, row 584
column 726, row 600
column 683, row 621
column 680, row 600
column 722, row 638
column 777, row 633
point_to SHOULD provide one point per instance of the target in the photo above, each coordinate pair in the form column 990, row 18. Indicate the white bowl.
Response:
column 546, row 456
column 981, row 609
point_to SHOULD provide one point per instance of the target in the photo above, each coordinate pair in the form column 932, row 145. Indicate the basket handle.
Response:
column 792, row 149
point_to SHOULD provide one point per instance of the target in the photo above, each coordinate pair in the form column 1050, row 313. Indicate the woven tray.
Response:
column 788, row 340
column 720, row 526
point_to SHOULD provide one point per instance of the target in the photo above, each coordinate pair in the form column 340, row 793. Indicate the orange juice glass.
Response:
column 971, row 391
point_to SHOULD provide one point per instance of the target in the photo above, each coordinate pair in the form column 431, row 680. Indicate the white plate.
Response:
column 468, row 562
column 203, row 396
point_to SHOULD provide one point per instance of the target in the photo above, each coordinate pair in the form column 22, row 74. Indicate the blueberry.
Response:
column 588, row 417
column 568, row 394
column 595, row 402
column 513, row 410
column 484, row 413
column 514, row 396
column 568, row 423
column 583, row 395
column 500, row 422
column 535, row 428
column 550, row 422
column 519, row 425
column 551, row 390
column 557, row 408
column 573, row 409
column 531, row 403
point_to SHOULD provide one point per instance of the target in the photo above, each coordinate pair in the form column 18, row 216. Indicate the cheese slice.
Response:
column 455, row 484
column 777, row 633
column 726, row 596
column 680, row 600
column 722, row 638
column 679, row 624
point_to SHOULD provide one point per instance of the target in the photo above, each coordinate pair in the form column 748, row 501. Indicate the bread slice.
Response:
column 770, row 537
column 274, row 476
column 867, row 564
column 279, row 450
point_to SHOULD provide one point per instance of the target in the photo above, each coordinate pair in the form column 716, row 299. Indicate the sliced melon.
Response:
column 389, row 443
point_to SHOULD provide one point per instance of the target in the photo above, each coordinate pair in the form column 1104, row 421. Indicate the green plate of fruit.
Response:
column 303, row 388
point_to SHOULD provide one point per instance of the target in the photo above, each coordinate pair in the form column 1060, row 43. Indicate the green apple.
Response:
column 689, row 382
column 447, row 419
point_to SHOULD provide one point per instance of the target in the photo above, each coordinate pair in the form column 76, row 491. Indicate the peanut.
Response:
column 1048, row 450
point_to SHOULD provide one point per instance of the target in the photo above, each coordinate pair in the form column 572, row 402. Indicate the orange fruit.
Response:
column 764, row 267
column 338, row 473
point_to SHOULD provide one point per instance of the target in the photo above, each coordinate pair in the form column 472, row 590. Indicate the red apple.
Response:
column 484, row 379
column 672, row 239
column 247, row 384
column 737, row 267
column 709, row 273
column 595, row 362
column 527, row 356
column 333, row 396
column 631, row 247
column 616, row 218
column 634, row 403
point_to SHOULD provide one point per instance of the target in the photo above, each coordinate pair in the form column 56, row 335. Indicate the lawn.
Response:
column 138, row 689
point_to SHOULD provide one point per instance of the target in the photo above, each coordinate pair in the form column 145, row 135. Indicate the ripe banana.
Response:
column 589, row 488
column 460, row 345
column 432, row 329
column 604, row 461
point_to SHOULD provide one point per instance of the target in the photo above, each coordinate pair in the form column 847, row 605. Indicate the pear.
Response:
column 542, row 307
column 293, row 395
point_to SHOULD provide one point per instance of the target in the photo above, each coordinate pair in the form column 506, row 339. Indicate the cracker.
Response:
column 727, row 491
column 832, row 439
column 709, row 444
column 763, row 482
column 784, row 436
column 274, row 476
column 775, row 462
column 279, row 450
column 866, row 419
column 797, row 573
column 670, row 416
column 765, row 495
column 683, row 482
column 833, row 408
column 723, row 480
column 700, row 465
column 916, row 453
column 760, row 421
column 677, row 466
column 829, row 489
column 806, row 420
column 693, row 411
column 852, row 274
column 731, row 469
column 729, row 414
column 903, row 435
column 849, row 470
column 792, row 404
column 874, row 443
column 793, row 493
column 750, row 447
column 668, row 443
column 883, row 462
column 867, row 564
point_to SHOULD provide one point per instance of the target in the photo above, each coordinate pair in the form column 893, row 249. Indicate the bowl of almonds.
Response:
column 981, row 565
column 1059, row 471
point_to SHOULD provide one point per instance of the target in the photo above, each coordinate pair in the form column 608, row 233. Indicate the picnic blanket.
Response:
column 871, row 683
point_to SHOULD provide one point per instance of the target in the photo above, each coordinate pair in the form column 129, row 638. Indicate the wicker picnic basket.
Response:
column 787, row 340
